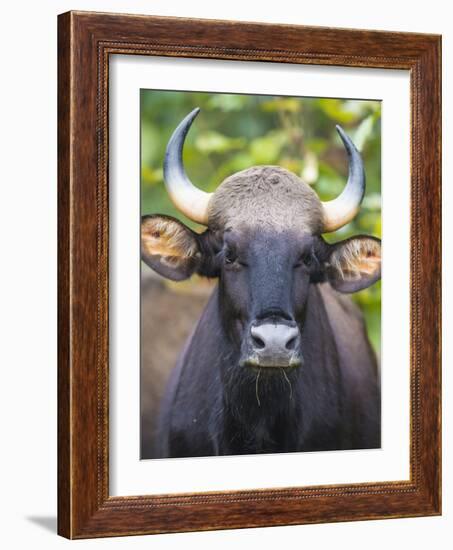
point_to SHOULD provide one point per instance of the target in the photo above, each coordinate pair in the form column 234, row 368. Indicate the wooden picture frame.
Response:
column 86, row 41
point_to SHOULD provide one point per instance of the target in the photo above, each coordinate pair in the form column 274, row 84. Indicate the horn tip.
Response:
column 188, row 119
column 340, row 130
column 347, row 141
column 195, row 112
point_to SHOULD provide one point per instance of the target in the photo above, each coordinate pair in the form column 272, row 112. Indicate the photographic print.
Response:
column 260, row 276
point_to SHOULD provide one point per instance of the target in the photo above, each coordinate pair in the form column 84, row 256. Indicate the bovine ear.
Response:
column 354, row 264
column 169, row 247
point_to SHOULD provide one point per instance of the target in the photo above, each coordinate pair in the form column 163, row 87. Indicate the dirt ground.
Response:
column 168, row 315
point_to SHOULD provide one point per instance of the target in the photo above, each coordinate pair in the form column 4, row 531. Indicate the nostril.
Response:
column 291, row 343
column 258, row 343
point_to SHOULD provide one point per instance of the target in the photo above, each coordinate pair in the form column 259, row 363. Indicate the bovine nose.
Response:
column 274, row 339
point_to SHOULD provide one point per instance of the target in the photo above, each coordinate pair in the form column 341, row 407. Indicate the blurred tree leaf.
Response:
column 336, row 109
column 291, row 104
column 310, row 171
column 225, row 102
column 152, row 177
column 214, row 142
column 266, row 149
column 363, row 132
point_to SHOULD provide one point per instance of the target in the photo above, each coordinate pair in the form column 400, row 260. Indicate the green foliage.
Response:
column 234, row 132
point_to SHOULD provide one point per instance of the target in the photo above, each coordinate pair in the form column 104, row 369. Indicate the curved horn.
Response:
column 340, row 211
column 189, row 200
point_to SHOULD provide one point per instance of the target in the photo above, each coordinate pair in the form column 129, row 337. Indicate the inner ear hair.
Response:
column 168, row 238
column 356, row 257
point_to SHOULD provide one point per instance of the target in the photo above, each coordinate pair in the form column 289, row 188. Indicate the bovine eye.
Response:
column 230, row 257
column 305, row 260
column 232, row 261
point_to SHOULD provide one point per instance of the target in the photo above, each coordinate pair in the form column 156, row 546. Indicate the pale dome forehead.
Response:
column 266, row 196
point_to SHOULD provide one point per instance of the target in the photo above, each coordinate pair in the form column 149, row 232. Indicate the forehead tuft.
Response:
column 266, row 196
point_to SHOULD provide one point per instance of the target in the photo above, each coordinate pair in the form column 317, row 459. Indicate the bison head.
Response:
column 263, row 241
